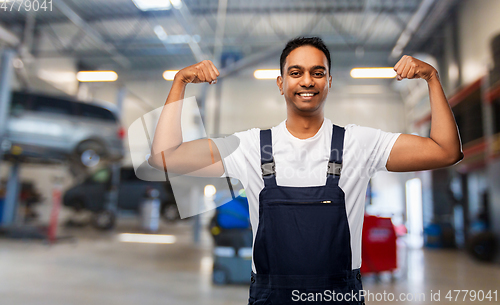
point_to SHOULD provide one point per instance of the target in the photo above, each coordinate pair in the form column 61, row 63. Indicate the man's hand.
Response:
column 409, row 67
column 204, row 71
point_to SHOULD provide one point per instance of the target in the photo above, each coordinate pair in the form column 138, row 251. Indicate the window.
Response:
column 52, row 105
column 20, row 102
column 94, row 112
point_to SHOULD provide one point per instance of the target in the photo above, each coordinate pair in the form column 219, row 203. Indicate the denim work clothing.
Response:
column 302, row 250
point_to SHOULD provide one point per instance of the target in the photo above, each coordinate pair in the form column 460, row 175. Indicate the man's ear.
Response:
column 330, row 81
column 279, row 82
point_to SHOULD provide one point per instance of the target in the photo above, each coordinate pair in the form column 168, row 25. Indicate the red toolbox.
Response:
column 378, row 245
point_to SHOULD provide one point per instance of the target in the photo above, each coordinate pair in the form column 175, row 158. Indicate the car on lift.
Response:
column 91, row 195
column 45, row 128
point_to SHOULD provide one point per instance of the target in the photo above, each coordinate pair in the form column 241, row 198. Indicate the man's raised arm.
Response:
column 443, row 147
column 168, row 152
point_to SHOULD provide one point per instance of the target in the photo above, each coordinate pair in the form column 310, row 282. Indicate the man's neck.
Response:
column 304, row 127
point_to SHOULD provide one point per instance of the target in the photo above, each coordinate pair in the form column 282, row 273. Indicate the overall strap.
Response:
column 266, row 158
column 336, row 152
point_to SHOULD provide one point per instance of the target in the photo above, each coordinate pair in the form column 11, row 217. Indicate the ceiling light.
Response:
column 170, row 74
column 373, row 73
column 152, row 5
column 266, row 73
column 147, row 238
column 96, row 76
column 176, row 3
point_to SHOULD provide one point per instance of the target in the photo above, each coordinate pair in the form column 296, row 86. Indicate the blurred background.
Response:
column 78, row 227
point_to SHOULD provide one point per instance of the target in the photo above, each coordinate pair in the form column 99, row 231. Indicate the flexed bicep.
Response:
column 415, row 153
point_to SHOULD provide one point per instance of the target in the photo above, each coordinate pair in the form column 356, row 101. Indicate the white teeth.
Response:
column 306, row 94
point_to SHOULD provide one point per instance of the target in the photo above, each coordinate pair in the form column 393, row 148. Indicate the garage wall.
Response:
column 478, row 23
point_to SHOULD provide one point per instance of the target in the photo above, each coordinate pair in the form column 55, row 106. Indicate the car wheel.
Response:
column 219, row 276
column 104, row 220
column 171, row 213
column 90, row 153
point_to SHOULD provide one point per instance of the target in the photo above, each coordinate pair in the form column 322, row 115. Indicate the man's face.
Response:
column 305, row 80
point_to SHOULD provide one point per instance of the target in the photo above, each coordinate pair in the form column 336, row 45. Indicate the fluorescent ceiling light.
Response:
column 96, row 76
column 176, row 3
column 266, row 73
column 170, row 74
column 147, row 238
column 152, row 5
column 373, row 73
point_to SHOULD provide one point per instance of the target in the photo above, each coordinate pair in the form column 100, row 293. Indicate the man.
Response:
column 306, row 178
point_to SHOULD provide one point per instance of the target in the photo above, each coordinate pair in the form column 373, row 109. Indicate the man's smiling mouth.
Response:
column 307, row 94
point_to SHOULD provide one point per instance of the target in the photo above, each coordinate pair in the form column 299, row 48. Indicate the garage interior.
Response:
column 79, row 224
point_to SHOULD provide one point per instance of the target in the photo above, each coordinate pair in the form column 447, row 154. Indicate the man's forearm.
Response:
column 444, row 129
column 168, row 133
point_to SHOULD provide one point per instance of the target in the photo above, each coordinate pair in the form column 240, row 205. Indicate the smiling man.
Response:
column 306, row 178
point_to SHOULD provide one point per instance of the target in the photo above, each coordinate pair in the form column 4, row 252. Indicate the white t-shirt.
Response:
column 304, row 162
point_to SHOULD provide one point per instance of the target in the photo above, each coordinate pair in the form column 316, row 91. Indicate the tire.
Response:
column 104, row 220
column 89, row 154
column 170, row 212
column 219, row 276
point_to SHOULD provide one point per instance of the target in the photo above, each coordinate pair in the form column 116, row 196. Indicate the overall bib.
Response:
column 302, row 250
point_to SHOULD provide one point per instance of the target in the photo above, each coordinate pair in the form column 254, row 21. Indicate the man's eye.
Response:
column 320, row 74
column 294, row 73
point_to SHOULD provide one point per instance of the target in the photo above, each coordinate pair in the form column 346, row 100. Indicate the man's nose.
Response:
column 307, row 81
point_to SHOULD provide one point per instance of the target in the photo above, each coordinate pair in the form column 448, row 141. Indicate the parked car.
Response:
column 90, row 195
column 45, row 127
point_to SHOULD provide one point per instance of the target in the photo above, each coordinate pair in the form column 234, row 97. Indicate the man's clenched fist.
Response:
column 204, row 71
column 409, row 67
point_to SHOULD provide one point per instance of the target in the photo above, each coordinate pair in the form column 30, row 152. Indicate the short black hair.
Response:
column 304, row 41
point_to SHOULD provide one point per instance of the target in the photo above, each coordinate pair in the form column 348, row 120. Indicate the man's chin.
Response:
column 307, row 108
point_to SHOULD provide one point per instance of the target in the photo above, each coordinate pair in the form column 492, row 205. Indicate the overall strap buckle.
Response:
column 268, row 169
column 334, row 168
column 336, row 156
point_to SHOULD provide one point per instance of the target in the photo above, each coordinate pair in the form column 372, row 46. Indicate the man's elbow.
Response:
column 455, row 158
column 156, row 162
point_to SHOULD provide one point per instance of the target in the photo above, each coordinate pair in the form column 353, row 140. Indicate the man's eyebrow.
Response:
column 318, row 67
column 301, row 68
column 295, row 67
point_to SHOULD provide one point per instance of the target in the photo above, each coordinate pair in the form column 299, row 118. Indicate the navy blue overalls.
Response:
column 302, row 250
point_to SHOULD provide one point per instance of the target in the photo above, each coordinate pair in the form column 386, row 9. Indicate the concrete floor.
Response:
column 99, row 269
